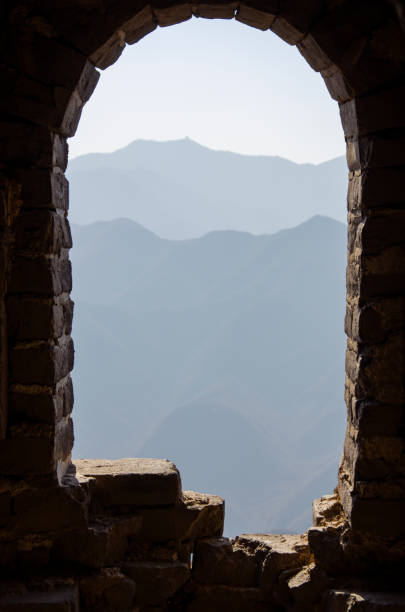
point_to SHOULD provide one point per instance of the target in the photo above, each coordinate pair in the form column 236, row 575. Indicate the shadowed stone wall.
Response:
column 50, row 56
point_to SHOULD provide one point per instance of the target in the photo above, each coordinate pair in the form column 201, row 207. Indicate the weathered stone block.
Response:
column 110, row 51
column 286, row 31
column 218, row 598
column 196, row 516
column 64, row 439
column 363, row 115
column 156, row 581
column 43, row 275
column 48, row 509
column 132, row 482
column 23, row 143
column 140, row 25
column 326, row 510
column 19, row 456
column 42, row 232
column 342, row 601
column 35, row 405
column 168, row 14
column 220, row 561
column 41, row 362
column 107, row 591
column 103, row 543
column 254, row 17
column 279, row 552
column 215, row 10
column 306, row 588
column 62, row 599
column 42, row 188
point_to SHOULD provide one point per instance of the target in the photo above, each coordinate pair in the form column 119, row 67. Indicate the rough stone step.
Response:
column 348, row 601
column 131, row 482
column 64, row 599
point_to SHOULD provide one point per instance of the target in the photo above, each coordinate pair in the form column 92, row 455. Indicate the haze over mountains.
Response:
column 180, row 189
column 223, row 353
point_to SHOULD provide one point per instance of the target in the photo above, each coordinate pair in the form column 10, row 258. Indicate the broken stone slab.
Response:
column 279, row 552
column 156, row 581
column 346, row 601
column 132, row 482
column 197, row 516
column 221, row 561
column 58, row 600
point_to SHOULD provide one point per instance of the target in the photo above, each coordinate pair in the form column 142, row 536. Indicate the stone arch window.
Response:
column 52, row 54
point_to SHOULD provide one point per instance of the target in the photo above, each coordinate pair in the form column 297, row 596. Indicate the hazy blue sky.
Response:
column 221, row 83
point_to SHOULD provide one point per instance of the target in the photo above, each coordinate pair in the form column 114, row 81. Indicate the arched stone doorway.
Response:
column 50, row 60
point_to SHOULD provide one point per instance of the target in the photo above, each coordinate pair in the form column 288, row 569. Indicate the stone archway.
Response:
column 50, row 60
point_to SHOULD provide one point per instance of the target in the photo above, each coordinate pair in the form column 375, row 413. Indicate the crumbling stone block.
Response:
column 156, row 581
column 279, row 552
column 221, row 561
column 48, row 600
column 345, row 601
column 196, row 516
column 108, row 591
column 103, row 543
column 132, row 482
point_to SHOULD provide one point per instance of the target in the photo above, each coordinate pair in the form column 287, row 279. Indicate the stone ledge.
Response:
column 342, row 601
column 132, row 482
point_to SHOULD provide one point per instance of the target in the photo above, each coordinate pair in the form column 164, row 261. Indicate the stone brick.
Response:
column 380, row 517
column 45, row 276
column 34, row 318
column 376, row 150
column 374, row 418
column 34, row 405
column 221, row 561
column 45, row 59
column 254, row 17
column 109, row 590
column 41, row 363
column 325, row 510
column 42, row 188
column 279, row 552
column 196, row 516
column 307, row 587
column 286, row 31
column 218, row 598
column 42, row 232
column 132, row 482
column 62, row 599
column 363, row 115
column 19, row 456
column 23, row 143
column 64, row 438
column 156, row 581
column 49, row 508
column 215, row 10
column 103, row 543
column 140, row 25
column 340, row 601
column 166, row 14
column 110, row 51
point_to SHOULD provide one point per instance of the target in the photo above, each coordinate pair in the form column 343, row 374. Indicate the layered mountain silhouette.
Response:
column 180, row 189
column 223, row 353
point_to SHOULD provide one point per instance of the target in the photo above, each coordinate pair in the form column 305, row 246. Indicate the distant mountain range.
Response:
column 180, row 189
column 223, row 353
